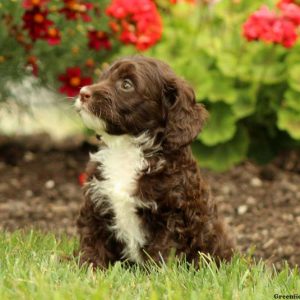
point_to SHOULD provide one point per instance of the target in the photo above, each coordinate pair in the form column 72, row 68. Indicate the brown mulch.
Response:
column 39, row 188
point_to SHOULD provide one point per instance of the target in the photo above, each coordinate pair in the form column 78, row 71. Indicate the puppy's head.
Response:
column 137, row 95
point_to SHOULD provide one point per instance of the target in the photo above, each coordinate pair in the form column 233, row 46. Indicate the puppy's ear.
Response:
column 185, row 117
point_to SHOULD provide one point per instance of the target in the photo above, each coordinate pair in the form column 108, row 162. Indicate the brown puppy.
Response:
column 144, row 196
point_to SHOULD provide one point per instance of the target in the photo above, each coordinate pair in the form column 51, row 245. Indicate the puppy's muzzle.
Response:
column 85, row 94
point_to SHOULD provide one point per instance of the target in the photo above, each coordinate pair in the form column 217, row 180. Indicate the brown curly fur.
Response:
column 184, row 219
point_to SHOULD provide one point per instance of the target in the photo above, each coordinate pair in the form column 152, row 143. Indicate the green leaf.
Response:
column 294, row 77
column 292, row 100
column 228, row 64
column 289, row 120
column 274, row 73
column 216, row 87
column 245, row 103
column 223, row 156
column 222, row 89
column 293, row 57
column 267, row 74
column 262, row 64
column 221, row 125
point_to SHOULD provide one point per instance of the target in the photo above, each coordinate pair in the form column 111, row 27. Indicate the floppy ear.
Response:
column 185, row 117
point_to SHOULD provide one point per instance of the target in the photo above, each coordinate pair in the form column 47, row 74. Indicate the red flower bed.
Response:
column 94, row 25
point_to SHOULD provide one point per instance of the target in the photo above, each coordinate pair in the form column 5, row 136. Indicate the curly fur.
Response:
column 144, row 196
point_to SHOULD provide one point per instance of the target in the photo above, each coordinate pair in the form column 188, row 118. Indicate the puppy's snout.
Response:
column 85, row 94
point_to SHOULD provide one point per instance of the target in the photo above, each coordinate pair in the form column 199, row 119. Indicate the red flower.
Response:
column 290, row 11
column 74, row 9
column 98, row 40
column 285, row 33
column 82, row 178
column 259, row 24
column 73, row 81
column 36, row 22
column 39, row 27
column 137, row 22
column 30, row 4
column 53, row 36
column 265, row 25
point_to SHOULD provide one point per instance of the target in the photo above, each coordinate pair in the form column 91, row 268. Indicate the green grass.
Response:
column 31, row 268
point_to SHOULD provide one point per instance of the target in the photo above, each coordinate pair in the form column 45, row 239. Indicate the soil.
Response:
column 39, row 188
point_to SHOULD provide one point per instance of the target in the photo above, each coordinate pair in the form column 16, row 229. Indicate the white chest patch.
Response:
column 121, row 164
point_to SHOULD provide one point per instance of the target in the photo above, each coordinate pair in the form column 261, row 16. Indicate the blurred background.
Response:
column 242, row 58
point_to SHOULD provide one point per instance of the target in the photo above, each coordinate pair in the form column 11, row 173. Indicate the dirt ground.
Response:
column 39, row 188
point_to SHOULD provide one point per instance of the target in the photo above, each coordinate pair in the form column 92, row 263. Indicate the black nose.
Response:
column 85, row 94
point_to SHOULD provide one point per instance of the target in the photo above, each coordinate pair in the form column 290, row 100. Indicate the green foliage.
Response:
column 223, row 155
column 35, row 266
column 221, row 126
column 252, row 90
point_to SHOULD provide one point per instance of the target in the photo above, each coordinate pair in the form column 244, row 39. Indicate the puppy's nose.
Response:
column 85, row 94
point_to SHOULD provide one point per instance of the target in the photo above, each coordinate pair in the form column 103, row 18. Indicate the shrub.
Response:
column 242, row 58
column 251, row 89
column 64, row 42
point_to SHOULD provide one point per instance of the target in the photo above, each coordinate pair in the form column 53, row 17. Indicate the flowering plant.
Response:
column 272, row 27
column 251, row 89
column 82, row 34
column 137, row 22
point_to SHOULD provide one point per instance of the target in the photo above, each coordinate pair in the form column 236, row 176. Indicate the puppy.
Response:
column 144, row 197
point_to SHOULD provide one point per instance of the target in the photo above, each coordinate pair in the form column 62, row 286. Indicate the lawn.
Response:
column 31, row 268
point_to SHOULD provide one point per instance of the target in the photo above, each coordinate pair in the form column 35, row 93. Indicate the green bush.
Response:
column 252, row 90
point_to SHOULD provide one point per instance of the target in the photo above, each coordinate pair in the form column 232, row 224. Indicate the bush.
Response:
column 63, row 43
column 252, row 90
column 250, row 84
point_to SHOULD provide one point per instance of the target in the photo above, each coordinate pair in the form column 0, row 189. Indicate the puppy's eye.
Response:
column 126, row 85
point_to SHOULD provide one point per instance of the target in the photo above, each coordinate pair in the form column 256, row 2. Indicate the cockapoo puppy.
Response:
column 144, row 196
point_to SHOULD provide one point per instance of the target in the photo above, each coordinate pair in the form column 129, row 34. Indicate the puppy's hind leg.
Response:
column 221, row 241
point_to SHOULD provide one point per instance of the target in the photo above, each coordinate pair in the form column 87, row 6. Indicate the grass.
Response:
column 31, row 268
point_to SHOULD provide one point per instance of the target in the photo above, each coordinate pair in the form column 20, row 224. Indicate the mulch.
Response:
column 39, row 188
